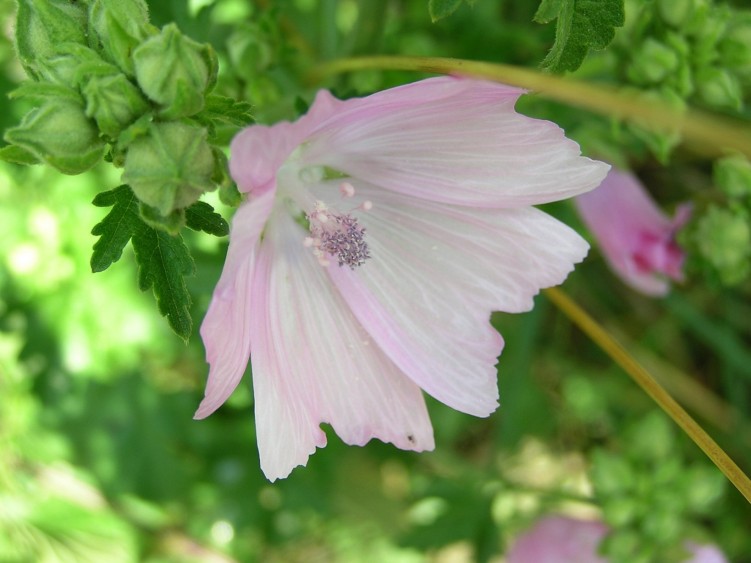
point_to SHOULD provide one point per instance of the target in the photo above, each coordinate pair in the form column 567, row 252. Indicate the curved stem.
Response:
column 710, row 134
column 642, row 377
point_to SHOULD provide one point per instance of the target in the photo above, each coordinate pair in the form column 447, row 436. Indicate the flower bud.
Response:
column 175, row 72
column 71, row 64
column 42, row 26
column 676, row 13
column 121, row 26
column 170, row 167
column 652, row 62
column 113, row 102
column 719, row 89
column 735, row 47
column 732, row 175
column 60, row 134
column 724, row 240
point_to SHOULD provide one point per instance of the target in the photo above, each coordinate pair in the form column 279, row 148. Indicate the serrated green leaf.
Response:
column 17, row 155
column 440, row 9
column 201, row 217
column 220, row 109
column 163, row 259
column 116, row 229
column 582, row 25
column 163, row 262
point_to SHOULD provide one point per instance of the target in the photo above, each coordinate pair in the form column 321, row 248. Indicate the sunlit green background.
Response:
column 100, row 459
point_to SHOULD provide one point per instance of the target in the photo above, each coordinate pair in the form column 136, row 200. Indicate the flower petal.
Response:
column 225, row 329
column 636, row 237
column 435, row 274
column 313, row 363
column 453, row 140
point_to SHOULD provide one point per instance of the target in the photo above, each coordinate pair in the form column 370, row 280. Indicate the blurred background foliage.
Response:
column 99, row 457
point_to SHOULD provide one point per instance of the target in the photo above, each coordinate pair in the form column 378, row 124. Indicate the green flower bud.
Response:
column 704, row 487
column 71, row 63
column 724, row 240
column 171, row 167
column 662, row 142
column 651, row 438
column 662, row 526
column 60, row 134
column 732, row 175
column 620, row 511
column 113, row 102
column 652, row 62
column 735, row 46
column 611, row 474
column 676, row 13
column 719, row 89
column 175, row 72
column 121, row 26
column 42, row 26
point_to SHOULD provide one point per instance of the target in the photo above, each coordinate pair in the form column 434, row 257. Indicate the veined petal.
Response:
column 225, row 329
column 435, row 274
column 453, row 140
column 313, row 363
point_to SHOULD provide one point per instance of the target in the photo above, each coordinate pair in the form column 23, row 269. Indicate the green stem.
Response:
column 709, row 134
column 642, row 377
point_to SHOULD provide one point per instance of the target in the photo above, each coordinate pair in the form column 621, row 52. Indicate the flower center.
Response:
column 337, row 234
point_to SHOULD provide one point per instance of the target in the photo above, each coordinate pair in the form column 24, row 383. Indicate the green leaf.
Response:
column 582, row 25
column 163, row 259
column 201, row 217
column 116, row 229
column 221, row 109
column 440, row 9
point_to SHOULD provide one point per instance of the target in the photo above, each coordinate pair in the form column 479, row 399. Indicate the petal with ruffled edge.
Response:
column 313, row 363
column 452, row 140
column 435, row 274
column 225, row 329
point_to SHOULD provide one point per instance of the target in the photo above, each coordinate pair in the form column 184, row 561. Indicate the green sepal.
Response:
column 42, row 26
column 120, row 25
column 201, row 217
column 60, row 134
column 71, row 63
column 163, row 259
column 171, row 223
column 45, row 91
column 170, row 167
column 175, row 72
column 17, row 155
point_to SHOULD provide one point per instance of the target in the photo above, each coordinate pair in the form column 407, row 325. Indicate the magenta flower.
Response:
column 560, row 539
column 378, row 235
column 636, row 238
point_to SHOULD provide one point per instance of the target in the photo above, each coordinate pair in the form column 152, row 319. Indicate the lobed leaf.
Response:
column 163, row 259
column 582, row 25
column 201, row 217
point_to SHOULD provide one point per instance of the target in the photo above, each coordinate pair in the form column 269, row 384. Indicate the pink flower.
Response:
column 378, row 235
column 636, row 238
column 559, row 539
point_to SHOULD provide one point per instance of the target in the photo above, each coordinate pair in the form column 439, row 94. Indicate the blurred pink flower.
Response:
column 635, row 236
column 378, row 235
column 559, row 539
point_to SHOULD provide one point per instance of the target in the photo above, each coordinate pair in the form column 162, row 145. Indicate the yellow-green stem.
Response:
column 641, row 376
column 709, row 134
